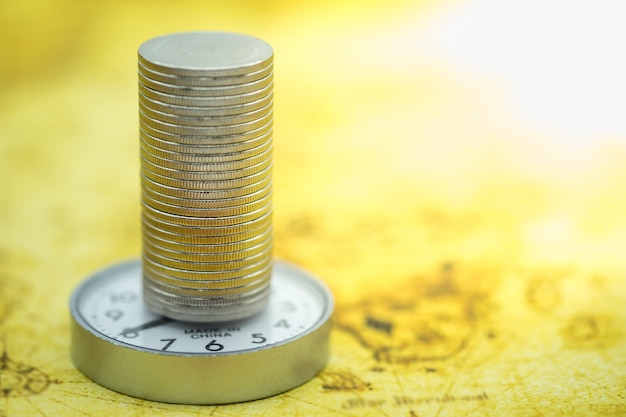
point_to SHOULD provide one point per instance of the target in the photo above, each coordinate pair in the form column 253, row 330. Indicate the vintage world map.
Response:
column 471, row 228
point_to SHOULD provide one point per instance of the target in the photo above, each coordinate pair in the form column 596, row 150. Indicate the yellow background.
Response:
column 456, row 176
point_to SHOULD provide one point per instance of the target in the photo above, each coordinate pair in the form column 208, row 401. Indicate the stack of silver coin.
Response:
column 205, row 112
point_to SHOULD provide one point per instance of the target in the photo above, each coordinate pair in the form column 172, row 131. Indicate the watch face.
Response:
column 110, row 305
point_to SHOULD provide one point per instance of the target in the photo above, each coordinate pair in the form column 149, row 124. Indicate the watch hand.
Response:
column 132, row 332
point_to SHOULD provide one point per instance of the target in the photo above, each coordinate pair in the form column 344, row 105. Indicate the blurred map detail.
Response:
column 452, row 170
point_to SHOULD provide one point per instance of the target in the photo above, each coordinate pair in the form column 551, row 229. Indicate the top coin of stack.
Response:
column 205, row 112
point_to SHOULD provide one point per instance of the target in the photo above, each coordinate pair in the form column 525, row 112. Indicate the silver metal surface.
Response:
column 219, row 101
column 217, row 111
column 207, row 132
column 206, row 54
column 201, row 158
column 214, row 231
column 199, row 184
column 206, row 90
column 204, row 81
column 203, row 203
column 204, row 140
column 202, row 147
column 209, row 174
column 204, row 120
column 221, row 260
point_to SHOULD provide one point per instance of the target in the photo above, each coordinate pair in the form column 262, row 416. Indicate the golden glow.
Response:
column 414, row 140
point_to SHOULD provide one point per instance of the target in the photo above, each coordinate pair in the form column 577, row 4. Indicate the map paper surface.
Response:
column 476, row 256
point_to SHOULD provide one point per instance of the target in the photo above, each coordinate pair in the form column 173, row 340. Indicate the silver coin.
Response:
column 207, row 274
column 186, row 286
column 200, row 81
column 192, row 101
column 156, row 246
column 208, row 175
column 210, row 249
column 206, row 131
column 207, row 279
column 206, row 194
column 205, row 221
column 202, row 147
column 205, row 54
column 219, row 111
column 214, row 249
column 190, row 236
column 223, row 214
column 200, row 296
column 208, row 121
column 217, row 232
column 204, row 91
column 208, row 236
column 221, row 260
column 225, row 281
column 213, row 203
column 188, row 289
column 226, row 261
column 203, row 212
column 147, row 145
column 198, row 236
column 171, row 290
column 208, row 185
column 172, row 287
column 207, row 309
column 204, row 140
column 210, row 164
column 203, row 165
column 192, row 240
column 205, row 270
